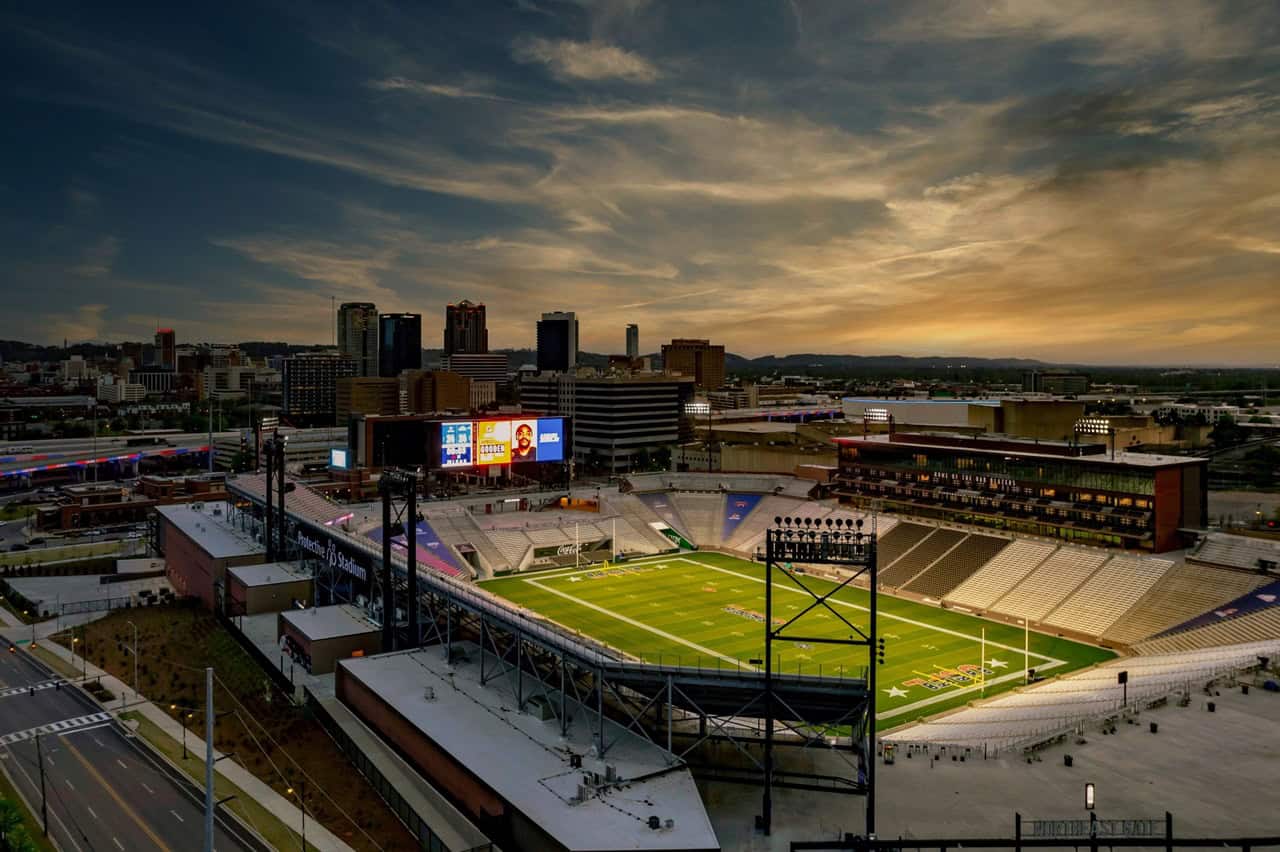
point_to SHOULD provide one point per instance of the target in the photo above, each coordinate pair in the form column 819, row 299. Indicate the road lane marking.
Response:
column 123, row 765
column 53, row 812
column 149, row 790
column 118, row 844
column 69, row 784
column 91, row 813
column 178, row 815
column 124, row 806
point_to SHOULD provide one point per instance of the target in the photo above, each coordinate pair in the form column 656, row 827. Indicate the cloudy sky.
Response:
column 1087, row 182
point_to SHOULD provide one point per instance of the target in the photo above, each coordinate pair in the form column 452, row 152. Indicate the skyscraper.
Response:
column 697, row 358
column 358, row 336
column 633, row 341
column 464, row 329
column 399, row 343
column 558, row 342
column 166, row 349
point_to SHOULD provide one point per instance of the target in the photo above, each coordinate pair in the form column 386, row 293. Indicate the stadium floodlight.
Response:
column 1093, row 426
column 697, row 408
column 875, row 415
column 1088, row 796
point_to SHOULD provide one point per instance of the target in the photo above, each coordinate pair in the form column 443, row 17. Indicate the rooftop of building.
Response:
column 269, row 573
column 526, row 761
column 205, row 524
column 330, row 622
column 995, row 443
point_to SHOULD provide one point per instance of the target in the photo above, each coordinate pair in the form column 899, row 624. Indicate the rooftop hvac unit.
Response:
column 580, row 796
column 429, row 694
column 610, row 773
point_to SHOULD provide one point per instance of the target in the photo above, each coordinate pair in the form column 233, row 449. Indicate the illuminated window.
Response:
column 1086, row 498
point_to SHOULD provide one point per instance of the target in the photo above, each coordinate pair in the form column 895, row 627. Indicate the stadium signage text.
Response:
column 328, row 552
column 1082, row 828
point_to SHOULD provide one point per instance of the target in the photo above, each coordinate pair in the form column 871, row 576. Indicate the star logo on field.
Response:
column 895, row 692
column 575, row 579
column 997, row 664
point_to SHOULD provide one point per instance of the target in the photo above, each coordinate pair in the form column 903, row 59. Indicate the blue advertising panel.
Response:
column 736, row 509
column 550, row 432
column 456, row 444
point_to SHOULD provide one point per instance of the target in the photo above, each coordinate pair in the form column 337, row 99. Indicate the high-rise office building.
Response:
column 465, row 332
column 633, row 341
column 166, row 349
column 311, row 386
column 358, row 336
column 366, row 395
column 615, row 420
column 697, row 358
column 399, row 344
column 558, row 342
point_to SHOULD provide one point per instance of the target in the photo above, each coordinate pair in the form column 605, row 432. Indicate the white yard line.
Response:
column 665, row 635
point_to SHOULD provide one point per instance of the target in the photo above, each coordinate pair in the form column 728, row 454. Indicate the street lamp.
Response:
column 302, row 804
column 135, row 658
column 183, row 718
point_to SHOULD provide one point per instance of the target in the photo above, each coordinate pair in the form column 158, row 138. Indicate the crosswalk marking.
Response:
column 26, row 690
column 59, row 727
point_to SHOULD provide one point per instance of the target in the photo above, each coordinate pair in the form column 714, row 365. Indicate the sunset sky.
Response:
column 1078, row 182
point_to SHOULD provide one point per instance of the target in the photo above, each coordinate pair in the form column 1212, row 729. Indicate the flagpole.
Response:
column 982, row 662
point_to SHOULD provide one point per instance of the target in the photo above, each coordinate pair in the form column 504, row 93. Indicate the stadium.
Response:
column 613, row 638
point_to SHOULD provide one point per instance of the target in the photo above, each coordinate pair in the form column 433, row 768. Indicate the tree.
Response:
column 1228, row 433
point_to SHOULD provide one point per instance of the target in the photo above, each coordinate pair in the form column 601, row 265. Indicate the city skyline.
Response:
column 1078, row 184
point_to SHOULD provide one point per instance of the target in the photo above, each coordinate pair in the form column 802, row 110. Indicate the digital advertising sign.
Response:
column 482, row 443
column 457, row 444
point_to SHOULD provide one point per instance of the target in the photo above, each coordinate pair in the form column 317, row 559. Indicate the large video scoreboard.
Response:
column 480, row 443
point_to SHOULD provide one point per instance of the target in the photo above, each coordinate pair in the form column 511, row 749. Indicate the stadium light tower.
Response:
column 876, row 415
column 695, row 408
column 810, row 541
column 1096, row 426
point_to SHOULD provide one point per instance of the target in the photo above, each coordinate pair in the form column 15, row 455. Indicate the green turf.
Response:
column 698, row 608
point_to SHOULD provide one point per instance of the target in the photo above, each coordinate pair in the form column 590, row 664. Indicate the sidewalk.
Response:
column 280, row 807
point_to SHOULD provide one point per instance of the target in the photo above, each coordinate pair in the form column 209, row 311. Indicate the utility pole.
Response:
column 208, row 759
column 210, row 430
column 44, row 802
column 135, row 657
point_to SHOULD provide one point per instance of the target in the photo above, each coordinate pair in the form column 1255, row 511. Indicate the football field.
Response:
column 707, row 609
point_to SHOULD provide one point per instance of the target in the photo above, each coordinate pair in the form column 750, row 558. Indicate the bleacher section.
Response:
column 1105, row 596
column 1260, row 626
column 704, row 514
column 1017, row 719
column 1184, row 592
column 664, row 507
column 638, row 516
column 891, row 546
column 750, row 532
column 1236, row 551
column 958, row 565
column 514, row 546
column 1051, row 583
column 997, row 577
column 930, row 548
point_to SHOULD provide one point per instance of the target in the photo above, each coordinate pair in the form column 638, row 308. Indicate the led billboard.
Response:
column 488, row 442
column 457, row 444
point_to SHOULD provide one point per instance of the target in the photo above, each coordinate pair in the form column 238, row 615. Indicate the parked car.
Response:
column 18, row 546
column 36, row 541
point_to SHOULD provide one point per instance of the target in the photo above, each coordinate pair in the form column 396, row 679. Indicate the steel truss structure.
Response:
column 809, row 541
column 576, row 680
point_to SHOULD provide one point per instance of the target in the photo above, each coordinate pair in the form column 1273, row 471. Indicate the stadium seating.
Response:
column 891, row 546
column 704, row 514
column 514, row 546
column 750, row 532
column 1255, row 627
column 1049, row 585
column 1184, row 592
column 928, row 550
column 1235, row 551
column 1034, row 714
column 957, row 566
column 1001, row 574
column 1106, row 595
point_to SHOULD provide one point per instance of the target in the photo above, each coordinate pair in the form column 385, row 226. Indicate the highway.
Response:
column 105, row 791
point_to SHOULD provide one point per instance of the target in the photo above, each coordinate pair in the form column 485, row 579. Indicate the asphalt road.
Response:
column 104, row 791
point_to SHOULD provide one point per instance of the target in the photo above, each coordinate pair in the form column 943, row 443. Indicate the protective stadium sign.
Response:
column 327, row 551
column 1083, row 828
